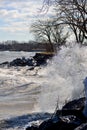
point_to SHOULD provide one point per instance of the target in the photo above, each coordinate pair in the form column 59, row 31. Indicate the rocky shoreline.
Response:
column 70, row 117
column 37, row 60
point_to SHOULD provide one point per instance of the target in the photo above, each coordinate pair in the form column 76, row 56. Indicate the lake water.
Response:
column 23, row 91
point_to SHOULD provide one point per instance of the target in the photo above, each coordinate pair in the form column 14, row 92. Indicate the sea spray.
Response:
column 64, row 76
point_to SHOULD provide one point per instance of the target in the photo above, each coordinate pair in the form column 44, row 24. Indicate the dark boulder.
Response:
column 37, row 60
column 77, row 113
column 50, row 123
column 34, row 125
column 4, row 64
column 41, row 58
column 74, row 107
column 32, row 128
column 30, row 62
column 70, row 117
column 77, row 104
column 82, row 127
column 17, row 62
column 21, row 62
column 63, row 123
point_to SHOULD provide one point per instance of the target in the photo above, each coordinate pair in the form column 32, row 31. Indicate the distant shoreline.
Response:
column 28, row 47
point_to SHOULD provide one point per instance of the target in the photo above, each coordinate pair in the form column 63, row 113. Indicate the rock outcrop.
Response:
column 70, row 117
column 37, row 60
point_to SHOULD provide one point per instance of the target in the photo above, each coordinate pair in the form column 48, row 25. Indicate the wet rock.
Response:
column 46, row 125
column 37, row 60
column 82, row 127
column 34, row 125
column 75, row 108
column 41, row 58
column 77, row 104
column 4, row 64
column 31, row 68
column 30, row 62
column 77, row 113
column 32, row 128
column 21, row 62
column 70, row 117
column 56, row 123
column 68, row 123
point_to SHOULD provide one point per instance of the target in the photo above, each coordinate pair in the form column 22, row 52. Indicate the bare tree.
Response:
column 47, row 32
column 42, row 32
column 58, row 35
column 73, row 13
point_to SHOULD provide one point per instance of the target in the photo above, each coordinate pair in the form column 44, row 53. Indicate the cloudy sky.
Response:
column 16, row 17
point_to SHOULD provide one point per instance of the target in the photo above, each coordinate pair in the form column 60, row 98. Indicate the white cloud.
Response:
column 3, row 12
column 17, row 15
column 19, row 10
column 14, row 29
column 9, row 14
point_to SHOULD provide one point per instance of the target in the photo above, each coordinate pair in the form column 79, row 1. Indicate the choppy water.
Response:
column 23, row 91
column 9, row 56
column 19, row 93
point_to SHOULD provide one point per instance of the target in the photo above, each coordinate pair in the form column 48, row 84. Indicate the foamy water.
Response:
column 16, row 87
column 23, row 91
column 19, row 90
column 64, row 77
column 9, row 56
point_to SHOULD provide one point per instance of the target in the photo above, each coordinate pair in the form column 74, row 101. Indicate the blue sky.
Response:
column 16, row 17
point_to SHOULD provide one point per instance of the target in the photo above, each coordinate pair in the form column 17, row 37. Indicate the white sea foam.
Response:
column 64, row 77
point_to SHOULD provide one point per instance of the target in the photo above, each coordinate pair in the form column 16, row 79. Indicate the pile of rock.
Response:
column 37, row 60
column 70, row 117
column 21, row 62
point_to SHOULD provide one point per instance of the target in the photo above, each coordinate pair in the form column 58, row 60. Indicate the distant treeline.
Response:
column 24, row 46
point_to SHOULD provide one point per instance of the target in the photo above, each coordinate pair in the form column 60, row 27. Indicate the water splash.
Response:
column 64, row 77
